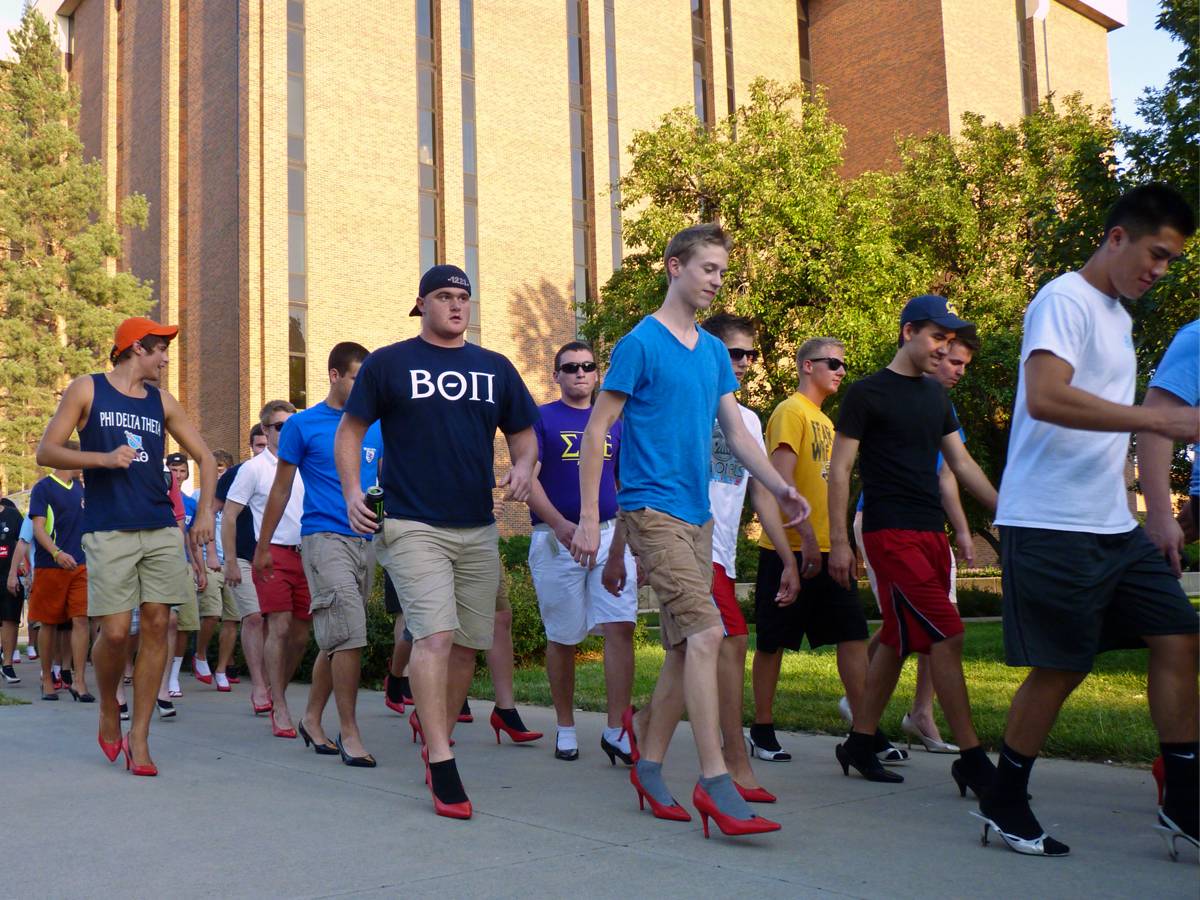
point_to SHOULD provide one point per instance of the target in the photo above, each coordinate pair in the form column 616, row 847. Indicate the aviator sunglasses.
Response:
column 572, row 368
column 737, row 354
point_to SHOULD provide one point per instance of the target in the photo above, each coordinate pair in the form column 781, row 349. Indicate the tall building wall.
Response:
column 88, row 68
column 1072, row 52
column 983, row 60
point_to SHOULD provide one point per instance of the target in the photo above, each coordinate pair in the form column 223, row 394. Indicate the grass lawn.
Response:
column 1107, row 718
column 7, row 700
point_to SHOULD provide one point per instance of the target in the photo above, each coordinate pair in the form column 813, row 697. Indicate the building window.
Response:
column 806, row 78
column 429, row 182
column 296, row 221
column 466, row 26
column 614, row 133
column 701, row 61
column 730, row 96
column 582, row 195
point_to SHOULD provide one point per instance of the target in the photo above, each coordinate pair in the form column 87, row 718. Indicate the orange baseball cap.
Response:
column 136, row 328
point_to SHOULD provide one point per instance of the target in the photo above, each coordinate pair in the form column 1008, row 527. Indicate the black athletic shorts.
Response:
column 824, row 610
column 1069, row 595
column 10, row 604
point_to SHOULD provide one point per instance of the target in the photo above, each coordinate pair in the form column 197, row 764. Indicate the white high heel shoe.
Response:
column 933, row 745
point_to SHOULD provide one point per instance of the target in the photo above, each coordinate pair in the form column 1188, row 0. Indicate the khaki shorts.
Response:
column 229, row 609
column 445, row 578
column 129, row 568
column 245, row 597
column 336, row 568
column 677, row 558
column 189, row 614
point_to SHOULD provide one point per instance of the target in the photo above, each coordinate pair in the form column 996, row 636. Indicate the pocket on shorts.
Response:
column 331, row 626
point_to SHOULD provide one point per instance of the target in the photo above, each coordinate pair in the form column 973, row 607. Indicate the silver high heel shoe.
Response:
column 1172, row 834
column 931, row 744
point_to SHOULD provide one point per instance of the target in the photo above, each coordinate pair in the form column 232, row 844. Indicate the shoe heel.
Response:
column 497, row 730
column 641, row 801
column 959, row 781
column 612, row 757
column 704, row 822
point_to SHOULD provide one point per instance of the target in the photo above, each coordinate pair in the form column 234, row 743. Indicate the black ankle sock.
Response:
column 511, row 718
column 394, row 692
column 466, row 709
column 1012, row 777
column 447, row 786
column 976, row 761
column 880, row 741
column 859, row 744
column 1181, row 764
column 763, row 735
column 405, row 687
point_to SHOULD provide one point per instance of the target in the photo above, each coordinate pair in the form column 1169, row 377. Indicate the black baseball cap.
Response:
column 440, row 277
column 933, row 308
column 175, row 459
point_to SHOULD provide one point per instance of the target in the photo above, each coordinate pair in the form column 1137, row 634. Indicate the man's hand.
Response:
column 264, row 567
column 1181, row 423
column 789, row 580
column 841, row 561
column 517, row 482
column 613, row 576
column 12, row 580
column 1166, row 534
column 361, row 518
column 65, row 561
column 120, row 458
column 585, row 543
column 793, row 506
column 202, row 527
column 233, row 575
column 201, row 579
column 810, row 552
column 964, row 542
column 565, row 531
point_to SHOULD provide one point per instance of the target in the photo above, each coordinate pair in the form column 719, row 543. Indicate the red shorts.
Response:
column 912, row 570
column 58, row 596
column 725, row 597
column 287, row 590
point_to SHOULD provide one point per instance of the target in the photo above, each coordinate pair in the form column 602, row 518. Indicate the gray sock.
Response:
column 650, row 775
column 726, row 796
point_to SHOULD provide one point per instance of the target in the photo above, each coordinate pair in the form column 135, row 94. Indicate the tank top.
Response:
column 130, row 499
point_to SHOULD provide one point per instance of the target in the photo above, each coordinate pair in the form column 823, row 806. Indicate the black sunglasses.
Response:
column 737, row 354
column 572, row 368
column 832, row 361
column 277, row 426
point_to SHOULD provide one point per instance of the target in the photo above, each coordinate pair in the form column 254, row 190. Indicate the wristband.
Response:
column 56, row 552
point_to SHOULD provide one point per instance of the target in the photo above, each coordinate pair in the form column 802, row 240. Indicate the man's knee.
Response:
column 503, row 619
column 1181, row 648
column 154, row 618
column 438, row 643
column 706, row 641
column 1056, row 682
column 618, row 630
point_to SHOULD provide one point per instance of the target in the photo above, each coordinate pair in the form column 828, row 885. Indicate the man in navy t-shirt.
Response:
column 572, row 600
column 334, row 557
column 439, row 401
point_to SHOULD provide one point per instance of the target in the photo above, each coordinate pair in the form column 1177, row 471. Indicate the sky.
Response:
column 1139, row 56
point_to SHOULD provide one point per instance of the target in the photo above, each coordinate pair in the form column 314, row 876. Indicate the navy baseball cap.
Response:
column 933, row 308
column 440, row 277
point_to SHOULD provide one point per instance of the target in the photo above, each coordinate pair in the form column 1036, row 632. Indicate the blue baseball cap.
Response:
column 933, row 308
column 440, row 277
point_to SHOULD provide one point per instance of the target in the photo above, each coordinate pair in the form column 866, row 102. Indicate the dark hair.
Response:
column 722, row 324
column 686, row 242
column 223, row 458
column 346, row 354
column 4, row 501
column 1148, row 208
column 969, row 339
column 271, row 407
column 918, row 327
column 256, row 431
column 150, row 343
column 569, row 347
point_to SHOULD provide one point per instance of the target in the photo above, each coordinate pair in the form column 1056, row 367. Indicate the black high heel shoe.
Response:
column 866, row 765
column 362, row 762
column 325, row 749
column 613, row 751
column 565, row 755
column 85, row 697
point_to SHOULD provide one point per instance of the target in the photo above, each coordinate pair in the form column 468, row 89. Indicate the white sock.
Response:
column 55, row 670
column 222, row 679
column 200, row 665
column 173, row 682
column 566, row 739
column 614, row 737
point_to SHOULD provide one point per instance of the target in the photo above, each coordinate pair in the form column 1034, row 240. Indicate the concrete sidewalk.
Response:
column 239, row 813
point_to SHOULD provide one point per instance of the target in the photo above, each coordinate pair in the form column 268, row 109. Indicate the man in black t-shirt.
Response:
column 10, row 602
column 901, row 419
column 439, row 402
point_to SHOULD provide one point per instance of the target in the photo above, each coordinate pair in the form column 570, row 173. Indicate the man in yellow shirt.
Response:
column 799, row 443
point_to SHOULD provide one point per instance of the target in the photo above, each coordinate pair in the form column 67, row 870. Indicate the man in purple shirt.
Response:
column 572, row 600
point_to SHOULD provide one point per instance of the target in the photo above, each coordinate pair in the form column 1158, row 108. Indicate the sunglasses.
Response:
column 572, row 368
column 832, row 361
column 737, row 354
column 276, row 426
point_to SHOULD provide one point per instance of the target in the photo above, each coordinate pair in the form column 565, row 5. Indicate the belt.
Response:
column 294, row 547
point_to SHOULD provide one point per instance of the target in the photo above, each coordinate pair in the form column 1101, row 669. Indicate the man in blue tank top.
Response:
column 134, row 549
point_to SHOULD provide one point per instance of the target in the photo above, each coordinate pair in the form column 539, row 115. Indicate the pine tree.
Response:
column 61, row 296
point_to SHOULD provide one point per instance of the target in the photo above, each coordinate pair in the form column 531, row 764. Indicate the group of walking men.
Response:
column 655, row 466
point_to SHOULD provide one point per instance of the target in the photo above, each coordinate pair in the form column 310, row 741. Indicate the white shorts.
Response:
column 572, row 601
column 858, row 540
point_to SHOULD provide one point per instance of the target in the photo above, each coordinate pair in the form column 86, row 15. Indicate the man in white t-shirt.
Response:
column 284, row 598
column 1080, row 575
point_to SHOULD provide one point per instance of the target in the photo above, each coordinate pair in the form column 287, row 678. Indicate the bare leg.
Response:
column 298, row 632
column 1035, row 706
column 347, row 669
column 171, row 643
column 460, row 670
column 882, row 674
column 277, row 654
column 207, row 626
column 852, row 665
column 318, row 697
column 401, row 649
column 1172, row 687
column 254, row 636
column 945, row 663
column 226, row 643
column 47, row 643
column 731, row 677
column 8, row 642
column 428, row 674
column 618, row 669
column 147, row 672
column 701, row 696
column 81, row 633
column 500, row 660
column 560, row 672
column 109, row 657
column 657, row 722
column 922, row 705
column 764, row 677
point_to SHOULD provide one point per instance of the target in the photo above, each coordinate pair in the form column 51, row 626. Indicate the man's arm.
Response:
column 586, row 541
column 277, row 501
column 522, row 451
column 72, row 414
column 613, row 575
column 1050, row 397
column 967, row 470
column 783, row 460
column 64, row 559
column 180, row 427
column 952, row 504
column 14, row 569
column 791, row 504
column 1154, row 454
column 768, row 516
column 540, row 504
column 841, row 557
column 233, row 575
column 347, row 456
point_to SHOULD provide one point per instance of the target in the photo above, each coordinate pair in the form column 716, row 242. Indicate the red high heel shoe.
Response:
column 281, row 732
column 449, row 810
column 113, row 750
column 265, row 708
column 627, row 729
column 517, row 737
column 674, row 813
column 1159, row 771
column 755, row 795
column 728, row 825
column 130, row 765
column 418, row 731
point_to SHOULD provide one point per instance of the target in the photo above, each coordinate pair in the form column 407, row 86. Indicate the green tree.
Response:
column 60, row 294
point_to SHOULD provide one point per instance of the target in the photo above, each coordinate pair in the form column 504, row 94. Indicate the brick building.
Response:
column 304, row 161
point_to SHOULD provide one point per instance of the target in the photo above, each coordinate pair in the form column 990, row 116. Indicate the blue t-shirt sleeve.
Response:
column 1179, row 371
column 27, row 530
column 37, row 500
column 189, row 512
column 517, row 410
column 291, row 442
column 365, row 400
column 626, row 366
